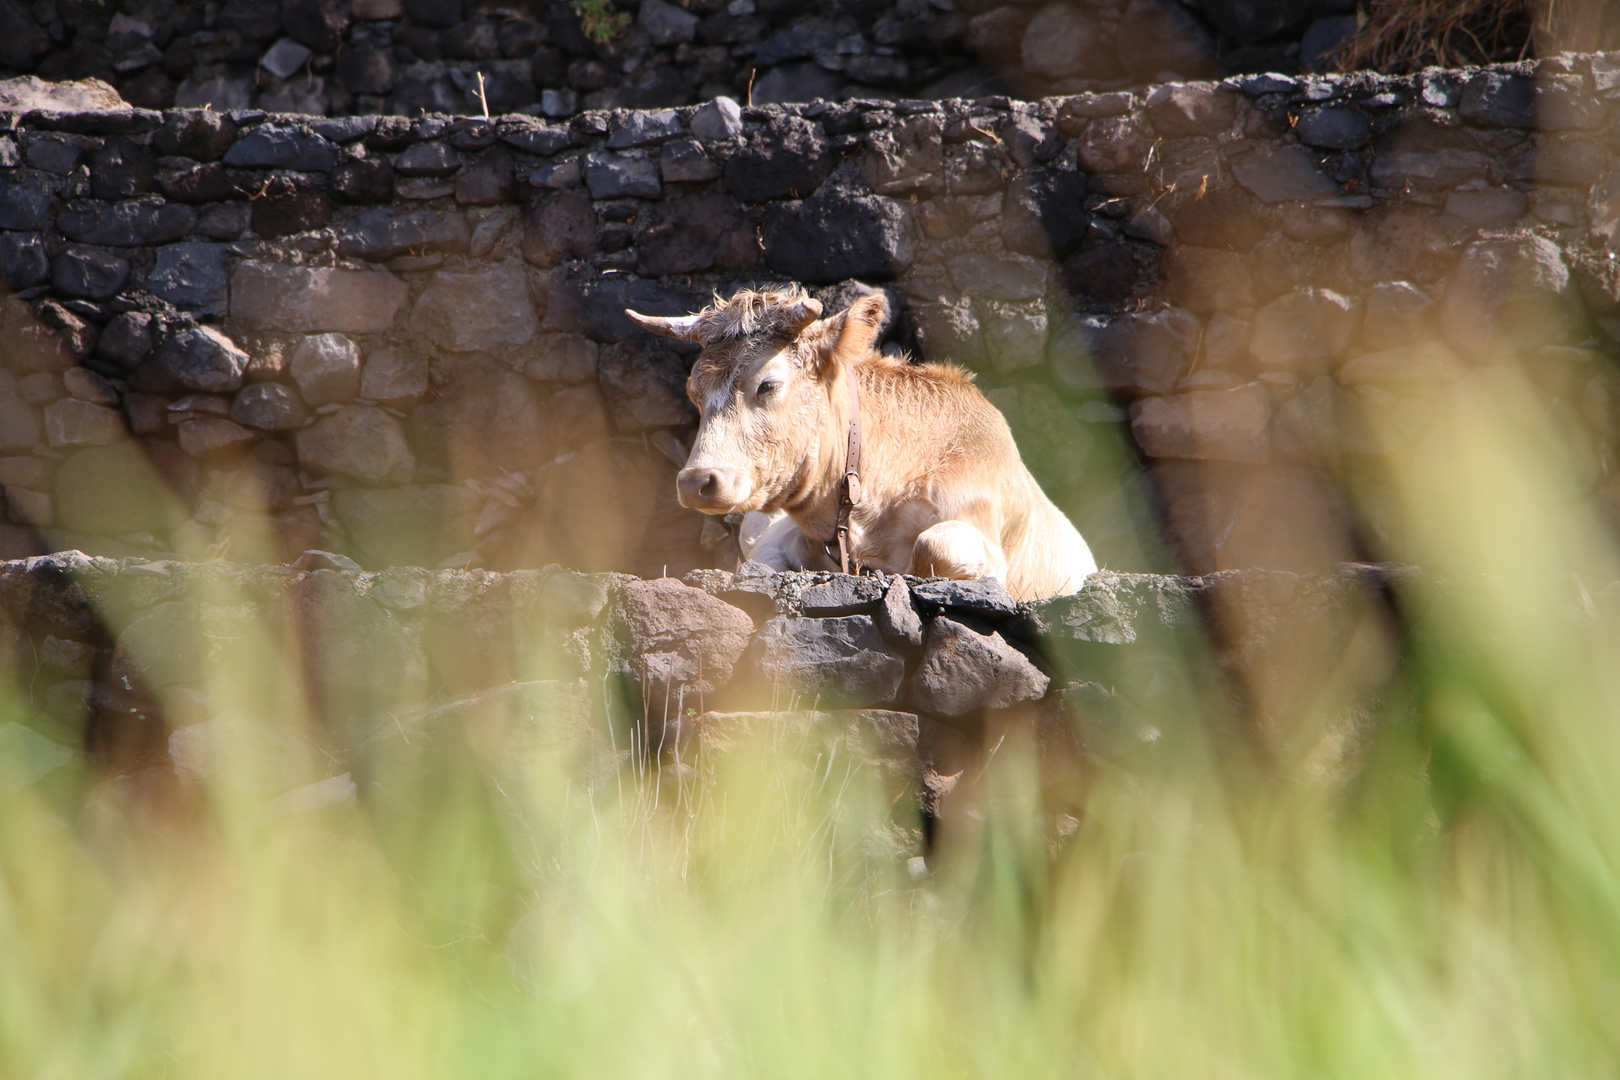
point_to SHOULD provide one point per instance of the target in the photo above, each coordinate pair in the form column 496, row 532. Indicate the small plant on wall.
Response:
column 600, row 22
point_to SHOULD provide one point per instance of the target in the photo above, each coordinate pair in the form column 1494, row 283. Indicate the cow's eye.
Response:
column 769, row 386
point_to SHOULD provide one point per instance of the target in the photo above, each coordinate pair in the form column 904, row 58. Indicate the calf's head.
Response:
column 763, row 384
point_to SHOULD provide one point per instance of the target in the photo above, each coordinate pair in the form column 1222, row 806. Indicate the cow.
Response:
column 927, row 481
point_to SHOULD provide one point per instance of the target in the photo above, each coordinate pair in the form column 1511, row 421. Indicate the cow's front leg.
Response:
column 955, row 549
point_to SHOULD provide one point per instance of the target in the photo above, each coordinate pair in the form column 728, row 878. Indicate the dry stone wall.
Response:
column 331, row 57
column 402, row 338
column 143, row 663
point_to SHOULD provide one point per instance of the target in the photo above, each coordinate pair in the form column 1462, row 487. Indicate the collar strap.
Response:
column 849, row 488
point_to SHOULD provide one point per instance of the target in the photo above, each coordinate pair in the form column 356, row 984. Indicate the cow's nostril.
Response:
column 709, row 484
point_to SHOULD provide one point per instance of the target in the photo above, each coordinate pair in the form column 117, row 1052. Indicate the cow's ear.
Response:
column 862, row 322
column 684, row 328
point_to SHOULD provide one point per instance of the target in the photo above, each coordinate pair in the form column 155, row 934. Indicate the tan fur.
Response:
column 935, row 452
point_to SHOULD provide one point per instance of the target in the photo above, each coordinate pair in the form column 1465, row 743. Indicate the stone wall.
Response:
column 321, row 673
column 257, row 334
column 335, row 57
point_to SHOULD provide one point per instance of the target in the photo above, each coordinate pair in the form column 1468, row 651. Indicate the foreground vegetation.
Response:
column 1450, row 909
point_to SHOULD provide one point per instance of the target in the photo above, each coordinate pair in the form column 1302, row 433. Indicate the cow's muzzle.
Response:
column 712, row 490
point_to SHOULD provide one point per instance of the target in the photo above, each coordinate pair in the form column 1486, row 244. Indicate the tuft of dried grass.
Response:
column 1402, row 36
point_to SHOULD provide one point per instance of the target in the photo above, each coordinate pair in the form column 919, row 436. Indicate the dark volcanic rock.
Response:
column 694, row 234
column 564, row 227
column 23, row 262
column 645, row 386
column 386, row 232
column 89, row 272
column 838, row 660
column 191, row 276
column 274, row 146
column 843, row 595
column 134, row 223
column 682, row 640
column 963, row 671
column 199, row 358
column 782, row 161
column 837, row 235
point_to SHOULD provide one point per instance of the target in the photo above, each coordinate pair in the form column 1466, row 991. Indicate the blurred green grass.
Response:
column 1448, row 908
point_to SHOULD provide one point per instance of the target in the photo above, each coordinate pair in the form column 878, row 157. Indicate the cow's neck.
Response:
column 814, row 506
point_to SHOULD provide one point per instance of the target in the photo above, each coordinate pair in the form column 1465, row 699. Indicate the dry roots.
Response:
column 1398, row 36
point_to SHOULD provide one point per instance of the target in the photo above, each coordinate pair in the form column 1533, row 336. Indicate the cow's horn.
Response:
column 802, row 314
column 685, row 327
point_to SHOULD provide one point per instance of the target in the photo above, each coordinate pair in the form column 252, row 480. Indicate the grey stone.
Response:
column 1300, row 330
column 1426, row 167
column 191, row 276
column 428, row 159
column 1207, row 425
column 361, row 442
column 488, row 180
column 718, row 119
column 1248, row 21
column 89, row 272
column 790, row 83
column 127, row 339
column 997, row 278
column 665, row 24
column 86, row 385
column 71, row 423
column 313, row 300
column 534, row 137
column 1061, row 41
column 1319, row 47
column 1395, row 314
column 843, row 595
column 52, row 155
column 394, row 375
column 1498, row 99
column 694, row 234
column 19, row 423
column 342, row 129
column 786, row 159
column 22, row 41
column 1140, row 353
column 417, row 524
column 643, row 128
column 1282, row 174
column 277, row 146
column 9, row 156
column 804, row 37
column 23, row 263
column 326, row 368
column 962, row 672
column 836, row 235
column 896, row 618
column 268, row 406
column 980, row 596
column 571, row 599
column 131, row 223
column 477, row 311
column 907, row 157
column 684, row 162
column 612, row 176
column 1155, row 37
column 645, row 386
column 202, row 134
column 828, row 661
column 568, row 358
column 682, row 640
column 562, row 227
column 204, row 435
column 284, row 58
column 1336, row 127
column 1514, row 291
column 385, row 232
column 24, row 206
column 224, row 221
column 1184, row 109
column 197, row 358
